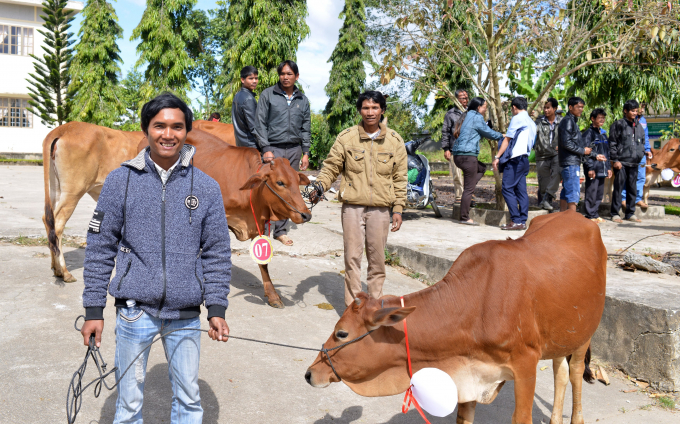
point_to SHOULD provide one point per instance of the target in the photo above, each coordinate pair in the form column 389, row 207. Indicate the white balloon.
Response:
column 667, row 174
column 435, row 391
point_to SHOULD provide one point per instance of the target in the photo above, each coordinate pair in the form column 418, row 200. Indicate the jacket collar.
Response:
column 364, row 136
column 278, row 89
column 139, row 161
column 247, row 90
column 542, row 118
column 569, row 114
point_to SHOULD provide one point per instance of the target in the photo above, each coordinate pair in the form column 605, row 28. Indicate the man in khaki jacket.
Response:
column 372, row 160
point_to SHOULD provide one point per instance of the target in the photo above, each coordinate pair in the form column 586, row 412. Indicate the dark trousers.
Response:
column 293, row 154
column 473, row 171
column 514, row 188
column 625, row 177
column 593, row 196
column 548, row 173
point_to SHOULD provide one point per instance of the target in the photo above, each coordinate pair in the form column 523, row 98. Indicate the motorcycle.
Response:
column 419, row 189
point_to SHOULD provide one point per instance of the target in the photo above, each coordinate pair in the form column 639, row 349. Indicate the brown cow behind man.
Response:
column 502, row 307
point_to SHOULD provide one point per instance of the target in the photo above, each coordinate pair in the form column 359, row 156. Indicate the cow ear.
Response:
column 254, row 181
column 388, row 316
column 303, row 179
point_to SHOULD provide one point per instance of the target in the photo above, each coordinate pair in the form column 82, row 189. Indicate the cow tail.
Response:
column 588, row 375
column 48, row 159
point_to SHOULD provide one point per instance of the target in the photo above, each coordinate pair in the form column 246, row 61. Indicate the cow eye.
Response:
column 341, row 334
column 672, row 150
column 280, row 183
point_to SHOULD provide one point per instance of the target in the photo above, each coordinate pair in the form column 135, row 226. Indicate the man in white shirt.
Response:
column 519, row 139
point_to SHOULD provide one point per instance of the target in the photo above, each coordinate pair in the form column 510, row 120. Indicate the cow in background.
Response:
column 502, row 307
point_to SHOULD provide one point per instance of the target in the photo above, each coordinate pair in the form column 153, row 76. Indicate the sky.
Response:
column 313, row 53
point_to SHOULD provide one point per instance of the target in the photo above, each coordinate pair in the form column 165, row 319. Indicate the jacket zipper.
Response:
column 127, row 269
column 165, row 282
column 370, row 180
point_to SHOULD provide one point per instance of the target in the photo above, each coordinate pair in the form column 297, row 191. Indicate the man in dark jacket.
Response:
column 571, row 151
column 451, row 119
column 162, row 223
column 547, row 160
column 285, row 122
column 626, row 148
column 244, row 111
column 596, row 171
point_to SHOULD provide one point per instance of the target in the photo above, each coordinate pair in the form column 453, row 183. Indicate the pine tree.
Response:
column 260, row 33
column 96, row 66
column 165, row 32
column 347, row 76
column 50, row 98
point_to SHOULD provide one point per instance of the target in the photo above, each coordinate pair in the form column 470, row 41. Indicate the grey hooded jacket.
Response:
column 451, row 118
column 282, row 125
column 244, row 118
column 544, row 147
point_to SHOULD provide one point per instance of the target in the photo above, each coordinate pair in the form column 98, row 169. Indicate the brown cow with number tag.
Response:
column 503, row 306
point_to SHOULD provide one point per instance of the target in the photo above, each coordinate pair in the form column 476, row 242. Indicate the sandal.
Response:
column 285, row 240
column 617, row 219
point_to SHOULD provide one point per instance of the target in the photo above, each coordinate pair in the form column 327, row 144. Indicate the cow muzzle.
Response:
column 313, row 379
column 306, row 217
column 654, row 166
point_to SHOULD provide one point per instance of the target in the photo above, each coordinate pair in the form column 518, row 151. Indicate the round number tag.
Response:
column 261, row 250
column 676, row 181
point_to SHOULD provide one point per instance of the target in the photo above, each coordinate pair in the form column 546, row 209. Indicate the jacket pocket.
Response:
column 130, row 314
column 356, row 160
column 127, row 269
column 385, row 163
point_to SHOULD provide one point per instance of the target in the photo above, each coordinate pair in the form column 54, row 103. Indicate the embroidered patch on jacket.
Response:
column 96, row 222
column 191, row 202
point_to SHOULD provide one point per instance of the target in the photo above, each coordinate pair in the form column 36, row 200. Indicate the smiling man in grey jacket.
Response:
column 163, row 222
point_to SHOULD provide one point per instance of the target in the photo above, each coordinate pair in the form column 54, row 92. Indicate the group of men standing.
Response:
column 561, row 149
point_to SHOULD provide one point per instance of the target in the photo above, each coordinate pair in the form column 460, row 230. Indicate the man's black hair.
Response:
column 553, row 102
column 597, row 112
column 630, row 105
column 165, row 101
column 520, row 103
column 293, row 67
column 248, row 71
column 376, row 96
column 573, row 101
column 215, row 115
column 460, row 90
column 475, row 103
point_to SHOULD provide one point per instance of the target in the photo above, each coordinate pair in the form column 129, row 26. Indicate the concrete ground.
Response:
column 240, row 381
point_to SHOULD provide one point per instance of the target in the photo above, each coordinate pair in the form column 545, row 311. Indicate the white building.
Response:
column 20, row 131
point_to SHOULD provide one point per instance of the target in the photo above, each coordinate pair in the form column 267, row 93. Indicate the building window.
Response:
column 16, row 40
column 13, row 113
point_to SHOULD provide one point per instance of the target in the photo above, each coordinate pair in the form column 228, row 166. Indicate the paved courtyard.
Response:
column 243, row 382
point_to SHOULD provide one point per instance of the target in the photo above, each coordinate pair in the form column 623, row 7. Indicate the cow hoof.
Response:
column 69, row 279
column 276, row 303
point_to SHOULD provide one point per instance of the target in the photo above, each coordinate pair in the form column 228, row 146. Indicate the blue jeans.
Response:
column 642, row 176
column 571, row 184
column 514, row 188
column 134, row 330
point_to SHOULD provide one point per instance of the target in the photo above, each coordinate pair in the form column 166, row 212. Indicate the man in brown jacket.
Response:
column 372, row 160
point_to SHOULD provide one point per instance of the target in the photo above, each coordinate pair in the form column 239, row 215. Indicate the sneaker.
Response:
column 633, row 218
column 545, row 204
column 617, row 219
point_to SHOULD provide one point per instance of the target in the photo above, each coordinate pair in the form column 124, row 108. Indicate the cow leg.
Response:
column 65, row 206
column 650, row 179
column 608, row 188
column 269, row 291
column 577, row 366
column 561, row 374
column 466, row 413
column 525, row 387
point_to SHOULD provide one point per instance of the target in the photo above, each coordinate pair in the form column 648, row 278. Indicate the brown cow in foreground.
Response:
column 502, row 307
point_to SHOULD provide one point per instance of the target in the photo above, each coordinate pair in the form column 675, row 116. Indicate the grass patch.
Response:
column 532, row 175
column 392, row 259
column 67, row 241
column 672, row 210
column 34, row 161
column 440, row 173
column 416, row 275
column 666, row 403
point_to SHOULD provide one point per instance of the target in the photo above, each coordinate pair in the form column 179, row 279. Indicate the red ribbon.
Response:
column 409, row 392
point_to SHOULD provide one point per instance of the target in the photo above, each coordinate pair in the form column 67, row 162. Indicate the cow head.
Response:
column 366, row 365
column 278, row 188
column 668, row 156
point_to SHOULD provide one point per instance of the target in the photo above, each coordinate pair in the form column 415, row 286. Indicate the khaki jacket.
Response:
column 374, row 172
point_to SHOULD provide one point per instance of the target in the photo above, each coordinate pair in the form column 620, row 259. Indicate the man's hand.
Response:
column 396, row 222
column 447, row 154
column 315, row 196
column 268, row 157
column 649, row 155
column 219, row 330
column 602, row 158
column 591, row 174
column 617, row 165
column 609, row 173
column 305, row 162
column 587, row 151
column 93, row 326
column 494, row 164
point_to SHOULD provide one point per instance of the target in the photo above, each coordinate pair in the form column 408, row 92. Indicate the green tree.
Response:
column 95, row 67
column 260, row 33
column 165, row 32
column 321, row 140
column 347, row 77
column 132, row 99
column 50, row 98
